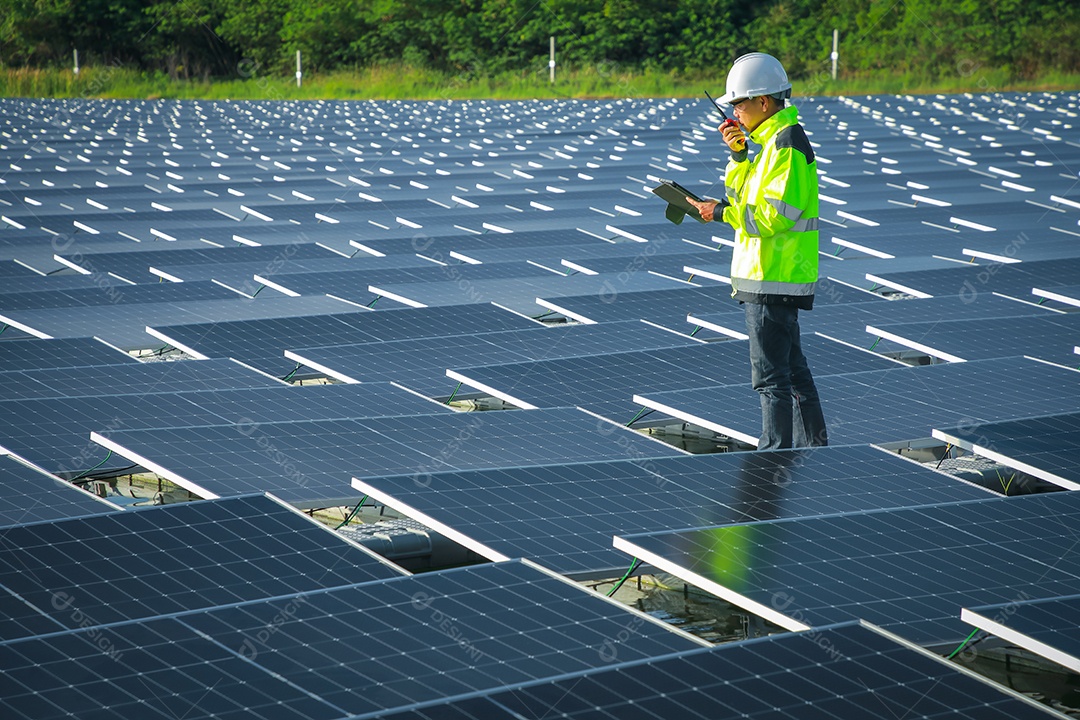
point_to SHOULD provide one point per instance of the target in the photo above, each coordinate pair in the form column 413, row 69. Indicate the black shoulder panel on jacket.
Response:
column 795, row 137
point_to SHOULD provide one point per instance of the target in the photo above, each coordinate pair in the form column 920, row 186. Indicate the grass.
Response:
column 390, row 82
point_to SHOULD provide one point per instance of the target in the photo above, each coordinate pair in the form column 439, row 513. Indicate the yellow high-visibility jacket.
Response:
column 774, row 210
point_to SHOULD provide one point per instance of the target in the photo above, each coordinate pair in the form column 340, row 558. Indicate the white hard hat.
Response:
column 754, row 75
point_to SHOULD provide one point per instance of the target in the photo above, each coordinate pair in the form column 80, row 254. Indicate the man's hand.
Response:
column 707, row 208
column 733, row 136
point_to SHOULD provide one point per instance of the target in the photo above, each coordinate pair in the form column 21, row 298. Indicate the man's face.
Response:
column 751, row 112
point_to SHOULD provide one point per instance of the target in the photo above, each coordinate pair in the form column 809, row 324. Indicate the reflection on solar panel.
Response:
column 894, row 406
column 1066, row 295
column 130, row 379
column 1045, row 447
column 563, row 516
column 846, row 671
column 909, row 570
column 370, row 647
column 606, row 384
column 34, row 354
column 262, row 342
column 53, row 433
column 28, row 495
column 1045, row 627
column 144, row 562
column 310, row 463
column 421, row 364
column 124, row 326
column 1048, row 338
column 848, row 321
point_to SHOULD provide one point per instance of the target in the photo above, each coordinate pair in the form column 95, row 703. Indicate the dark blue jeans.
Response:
column 791, row 413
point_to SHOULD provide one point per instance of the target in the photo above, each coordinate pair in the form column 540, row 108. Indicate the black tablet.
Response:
column 675, row 196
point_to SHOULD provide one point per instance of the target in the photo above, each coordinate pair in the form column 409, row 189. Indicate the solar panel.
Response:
column 563, row 516
column 29, row 495
column 35, row 354
column 519, row 294
column 421, row 364
column 370, row 647
column 1045, row 447
column 124, row 325
column 662, row 306
column 1066, row 295
column 843, row 671
column 117, row 294
column 1015, row 279
column 262, row 342
column 310, row 463
column 1048, row 338
column 847, row 321
column 879, row 407
column 53, row 433
column 143, row 562
column 909, row 570
column 134, row 265
column 1044, row 627
column 352, row 285
column 130, row 379
column 606, row 384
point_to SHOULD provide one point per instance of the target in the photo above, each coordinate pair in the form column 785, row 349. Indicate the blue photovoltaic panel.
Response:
column 563, row 516
column 263, row 342
column 1045, row 447
column 421, row 364
column 366, row 648
column 607, row 384
column 124, row 326
column 54, row 433
column 1015, row 279
column 519, row 294
column 1066, row 295
column 28, row 495
column 130, row 379
column 909, row 570
column 118, row 294
column 845, row 671
column 883, row 407
column 1048, row 338
column 144, row 562
column 661, row 306
column 34, row 354
column 352, row 285
column 241, row 275
column 1044, row 627
column 848, row 321
column 311, row 462
column 135, row 264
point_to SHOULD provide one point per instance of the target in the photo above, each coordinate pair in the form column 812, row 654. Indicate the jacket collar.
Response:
column 765, row 131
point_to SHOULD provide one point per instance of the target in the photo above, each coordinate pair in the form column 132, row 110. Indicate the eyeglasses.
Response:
column 737, row 103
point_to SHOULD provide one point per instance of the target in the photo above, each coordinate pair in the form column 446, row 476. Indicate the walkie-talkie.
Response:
column 727, row 121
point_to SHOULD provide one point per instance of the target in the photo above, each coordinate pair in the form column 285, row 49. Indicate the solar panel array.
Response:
column 189, row 228
column 1045, row 627
column 843, row 671
column 607, row 384
column 909, row 570
column 563, row 516
column 892, row 406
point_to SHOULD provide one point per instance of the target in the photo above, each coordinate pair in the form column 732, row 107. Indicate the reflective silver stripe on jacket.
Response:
column 749, row 222
column 791, row 212
column 772, row 287
column 795, row 215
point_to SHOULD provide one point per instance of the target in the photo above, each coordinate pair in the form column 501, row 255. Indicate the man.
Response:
column 772, row 202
